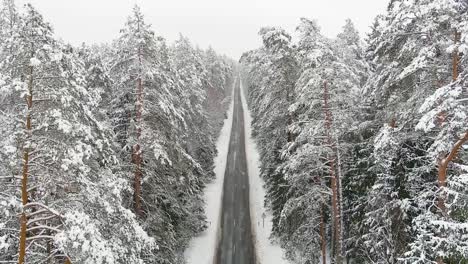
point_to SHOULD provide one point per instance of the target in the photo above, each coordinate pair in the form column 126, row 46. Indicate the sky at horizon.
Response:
column 230, row 27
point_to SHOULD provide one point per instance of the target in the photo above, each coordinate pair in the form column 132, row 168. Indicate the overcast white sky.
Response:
column 229, row 26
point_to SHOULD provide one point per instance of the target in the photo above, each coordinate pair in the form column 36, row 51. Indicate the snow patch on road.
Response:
column 201, row 249
column 267, row 251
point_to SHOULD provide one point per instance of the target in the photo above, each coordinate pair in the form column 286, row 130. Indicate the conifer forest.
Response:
column 309, row 149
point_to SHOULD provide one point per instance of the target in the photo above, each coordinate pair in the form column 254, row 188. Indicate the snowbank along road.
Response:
column 235, row 232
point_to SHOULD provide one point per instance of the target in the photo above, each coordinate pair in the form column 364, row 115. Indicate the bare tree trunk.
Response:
column 445, row 160
column 25, row 175
column 323, row 239
column 334, row 185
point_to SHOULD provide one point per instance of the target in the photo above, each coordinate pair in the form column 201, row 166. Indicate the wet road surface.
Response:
column 235, row 232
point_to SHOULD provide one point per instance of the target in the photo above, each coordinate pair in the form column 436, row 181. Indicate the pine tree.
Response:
column 307, row 161
column 10, row 205
column 177, row 159
column 271, row 117
column 71, row 118
column 67, row 157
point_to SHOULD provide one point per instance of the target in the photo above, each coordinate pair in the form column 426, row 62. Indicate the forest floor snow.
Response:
column 201, row 249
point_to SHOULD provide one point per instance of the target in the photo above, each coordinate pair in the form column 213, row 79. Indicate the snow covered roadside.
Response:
column 267, row 252
column 201, row 249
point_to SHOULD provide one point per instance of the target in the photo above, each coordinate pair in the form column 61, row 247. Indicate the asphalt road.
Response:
column 235, row 232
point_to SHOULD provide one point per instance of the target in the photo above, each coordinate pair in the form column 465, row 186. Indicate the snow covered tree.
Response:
column 350, row 113
column 10, row 203
column 8, row 19
column 135, row 68
column 396, row 138
column 65, row 158
column 409, row 55
column 192, row 77
column 441, row 227
column 169, row 85
column 333, row 83
column 98, row 80
column 309, row 158
column 270, row 99
column 218, row 86
column 308, row 149
column 29, row 66
column 73, row 118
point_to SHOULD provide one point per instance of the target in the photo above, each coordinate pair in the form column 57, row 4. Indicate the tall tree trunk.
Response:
column 323, row 239
column 24, row 179
column 334, row 181
column 445, row 160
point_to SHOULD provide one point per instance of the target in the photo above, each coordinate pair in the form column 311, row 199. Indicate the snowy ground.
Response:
column 267, row 252
column 201, row 249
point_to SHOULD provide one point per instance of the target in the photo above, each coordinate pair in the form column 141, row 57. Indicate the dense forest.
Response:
column 104, row 149
column 363, row 143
